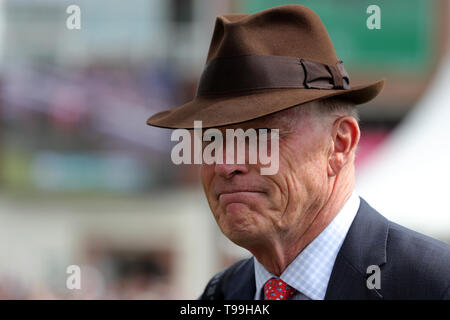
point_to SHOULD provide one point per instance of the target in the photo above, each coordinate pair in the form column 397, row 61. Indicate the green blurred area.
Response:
column 404, row 42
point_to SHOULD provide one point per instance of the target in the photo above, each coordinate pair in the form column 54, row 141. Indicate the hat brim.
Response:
column 217, row 111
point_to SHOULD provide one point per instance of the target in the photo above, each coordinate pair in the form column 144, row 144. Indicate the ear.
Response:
column 345, row 138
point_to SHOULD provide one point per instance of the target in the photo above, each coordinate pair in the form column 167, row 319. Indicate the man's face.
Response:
column 251, row 208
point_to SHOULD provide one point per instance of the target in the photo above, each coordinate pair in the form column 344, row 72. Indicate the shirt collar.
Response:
column 310, row 271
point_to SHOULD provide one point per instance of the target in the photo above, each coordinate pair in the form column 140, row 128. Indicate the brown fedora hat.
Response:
column 262, row 63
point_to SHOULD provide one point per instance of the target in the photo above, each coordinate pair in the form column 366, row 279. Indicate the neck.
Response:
column 276, row 255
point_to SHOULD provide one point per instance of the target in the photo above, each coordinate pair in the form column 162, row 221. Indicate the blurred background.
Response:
column 84, row 181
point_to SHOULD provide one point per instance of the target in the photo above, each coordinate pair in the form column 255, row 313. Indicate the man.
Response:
column 310, row 235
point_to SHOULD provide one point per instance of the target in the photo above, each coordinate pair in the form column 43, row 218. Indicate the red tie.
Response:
column 277, row 289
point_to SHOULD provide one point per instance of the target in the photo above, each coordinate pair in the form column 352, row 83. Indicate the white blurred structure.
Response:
column 408, row 179
column 39, row 238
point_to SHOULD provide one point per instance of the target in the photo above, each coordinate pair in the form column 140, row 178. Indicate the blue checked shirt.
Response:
column 310, row 271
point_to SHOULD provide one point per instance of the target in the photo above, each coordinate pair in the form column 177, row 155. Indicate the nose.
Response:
column 227, row 171
column 226, row 168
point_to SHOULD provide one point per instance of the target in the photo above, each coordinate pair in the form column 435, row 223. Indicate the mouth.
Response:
column 237, row 191
column 238, row 196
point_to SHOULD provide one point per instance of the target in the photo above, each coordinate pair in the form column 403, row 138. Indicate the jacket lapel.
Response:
column 243, row 282
column 364, row 245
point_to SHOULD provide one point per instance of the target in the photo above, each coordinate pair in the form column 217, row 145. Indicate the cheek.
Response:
column 304, row 172
column 303, row 155
column 310, row 173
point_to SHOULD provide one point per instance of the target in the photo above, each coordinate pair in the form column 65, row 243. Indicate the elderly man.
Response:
column 310, row 235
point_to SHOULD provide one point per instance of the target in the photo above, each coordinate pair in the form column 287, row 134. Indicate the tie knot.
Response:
column 277, row 289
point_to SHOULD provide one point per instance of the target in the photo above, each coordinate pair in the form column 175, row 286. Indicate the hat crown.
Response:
column 275, row 59
column 289, row 30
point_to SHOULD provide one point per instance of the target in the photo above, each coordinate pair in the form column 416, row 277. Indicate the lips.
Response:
column 243, row 196
column 236, row 191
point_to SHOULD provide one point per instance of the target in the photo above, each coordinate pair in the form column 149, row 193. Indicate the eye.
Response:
column 260, row 131
column 268, row 131
column 208, row 137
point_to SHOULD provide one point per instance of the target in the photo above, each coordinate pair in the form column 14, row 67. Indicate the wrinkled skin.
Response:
column 276, row 216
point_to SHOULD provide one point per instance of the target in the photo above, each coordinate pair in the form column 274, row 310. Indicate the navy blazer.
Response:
column 412, row 265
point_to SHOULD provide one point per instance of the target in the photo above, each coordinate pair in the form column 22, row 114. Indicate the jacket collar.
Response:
column 364, row 245
column 242, row 285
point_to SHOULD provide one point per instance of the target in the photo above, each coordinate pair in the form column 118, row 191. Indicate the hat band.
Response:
column 252, row 72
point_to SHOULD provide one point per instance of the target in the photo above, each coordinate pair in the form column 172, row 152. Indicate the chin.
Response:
column 242, row 230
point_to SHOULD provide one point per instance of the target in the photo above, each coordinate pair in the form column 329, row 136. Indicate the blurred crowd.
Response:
column 73, row 131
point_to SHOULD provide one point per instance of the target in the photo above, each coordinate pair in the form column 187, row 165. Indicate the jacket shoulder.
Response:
column 412, row 265
column 420, row 265
column 218, row 286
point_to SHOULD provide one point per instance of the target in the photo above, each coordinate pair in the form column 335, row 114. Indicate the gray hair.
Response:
column 338, row 106
column 332, row 107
